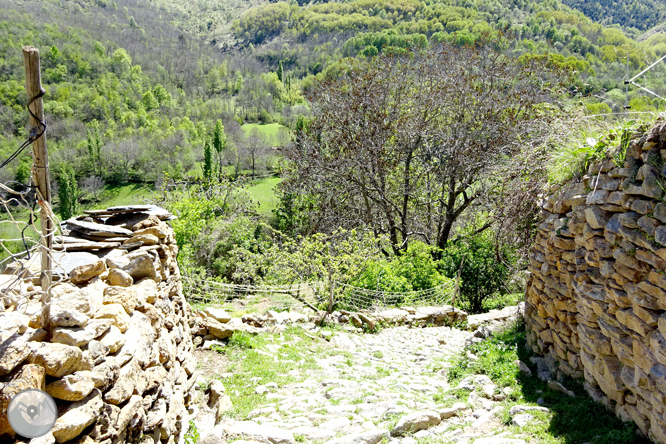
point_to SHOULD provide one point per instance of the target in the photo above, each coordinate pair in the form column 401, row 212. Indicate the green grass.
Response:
column 568, row 422
column 270, row 131
column 262, row 191
column 501, row 301
column 128, row 194
column 246, row 362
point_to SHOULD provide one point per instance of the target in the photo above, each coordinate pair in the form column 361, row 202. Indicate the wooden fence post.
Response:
column 40, row 171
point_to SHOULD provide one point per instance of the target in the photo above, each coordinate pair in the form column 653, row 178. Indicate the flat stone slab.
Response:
column 94, row 229
column 119, row 209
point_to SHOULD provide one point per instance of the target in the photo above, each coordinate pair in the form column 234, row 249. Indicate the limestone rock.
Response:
column 516, row 409
column 557, row 387
column 84, row 273
column 141, row 267
column 26, row 377
column 522, row 419
column 104, row 374
column 116, row 313
column 113, row 339
column 72, row 387
column 58, row 360
column 416, row 421
column 81, row 336
column 77, row 417
column 119, row 278
column 144, row 239
column 452, row 411
column 369, row 437
column 67, row 316
column 123, row 296
column 217, row 329
column 13, row 351
column 252, row 430
column 218, row 314
column 14, row 322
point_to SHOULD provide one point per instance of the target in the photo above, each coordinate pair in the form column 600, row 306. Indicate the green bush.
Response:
column 482, row 274
column 414, row 270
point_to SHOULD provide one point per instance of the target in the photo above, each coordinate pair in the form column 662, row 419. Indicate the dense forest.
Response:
column 639, row 14
column 196, row 99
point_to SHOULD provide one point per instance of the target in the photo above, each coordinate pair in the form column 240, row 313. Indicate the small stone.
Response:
column 218, row 314
column 77, row 417
column 64, row 316
column 522, row 419
column 84, row 273
column 516, row 409
column 113, row 339
column 557, row 387
column 57, row 359
column 252, row 430
column 119, row 278
column 72, row 387
column 217, row 329
column 123, row 296
column 14, row 350
column 416, row 421
column 523, row 367
column 116, row 313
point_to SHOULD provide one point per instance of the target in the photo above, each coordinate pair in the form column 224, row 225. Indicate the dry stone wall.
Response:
column 596, row 297
column 117, row 356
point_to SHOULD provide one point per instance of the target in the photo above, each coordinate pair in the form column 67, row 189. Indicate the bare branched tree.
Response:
column 92, row 185
column 408, row 144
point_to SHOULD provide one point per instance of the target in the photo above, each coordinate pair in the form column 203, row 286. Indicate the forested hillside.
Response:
column 129, row 96
column 205, row 96
column 639, row 14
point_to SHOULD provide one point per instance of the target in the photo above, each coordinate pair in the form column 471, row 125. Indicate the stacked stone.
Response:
column 596, row 298
column 117, row 353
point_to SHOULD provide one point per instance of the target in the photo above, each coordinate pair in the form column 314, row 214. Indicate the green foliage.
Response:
column 208, row 161
column 219, row 143
column 413, row 270
column 68, row 192
column 482, row 273
column 192, row 434
column 591, row 143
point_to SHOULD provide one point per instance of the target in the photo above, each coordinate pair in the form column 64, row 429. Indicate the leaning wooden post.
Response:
column 40, row 171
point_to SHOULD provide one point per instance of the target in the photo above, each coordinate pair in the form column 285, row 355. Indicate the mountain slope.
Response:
column 639, row 14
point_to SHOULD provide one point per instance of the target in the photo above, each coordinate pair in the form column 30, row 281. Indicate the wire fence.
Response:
column 21, row 249
column 317, row 296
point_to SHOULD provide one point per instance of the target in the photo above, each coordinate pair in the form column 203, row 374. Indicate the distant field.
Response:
column 262, row 191
column 130, row 194
column 270, row 130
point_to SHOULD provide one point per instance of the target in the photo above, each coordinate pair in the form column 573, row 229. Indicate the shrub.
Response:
column 482, row 274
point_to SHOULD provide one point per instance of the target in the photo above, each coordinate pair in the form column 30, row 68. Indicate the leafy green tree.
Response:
column 208, row 161
column 220, row 144
column 483, row 272
column 280, row 72
column 68, row 192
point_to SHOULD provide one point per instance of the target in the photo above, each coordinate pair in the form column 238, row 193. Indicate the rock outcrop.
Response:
column 596, row 297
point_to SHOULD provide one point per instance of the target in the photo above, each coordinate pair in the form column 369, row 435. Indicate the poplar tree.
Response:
column 208, row 161
column 220, row 144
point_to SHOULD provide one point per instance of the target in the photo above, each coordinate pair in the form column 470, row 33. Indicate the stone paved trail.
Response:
column 386, row 387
